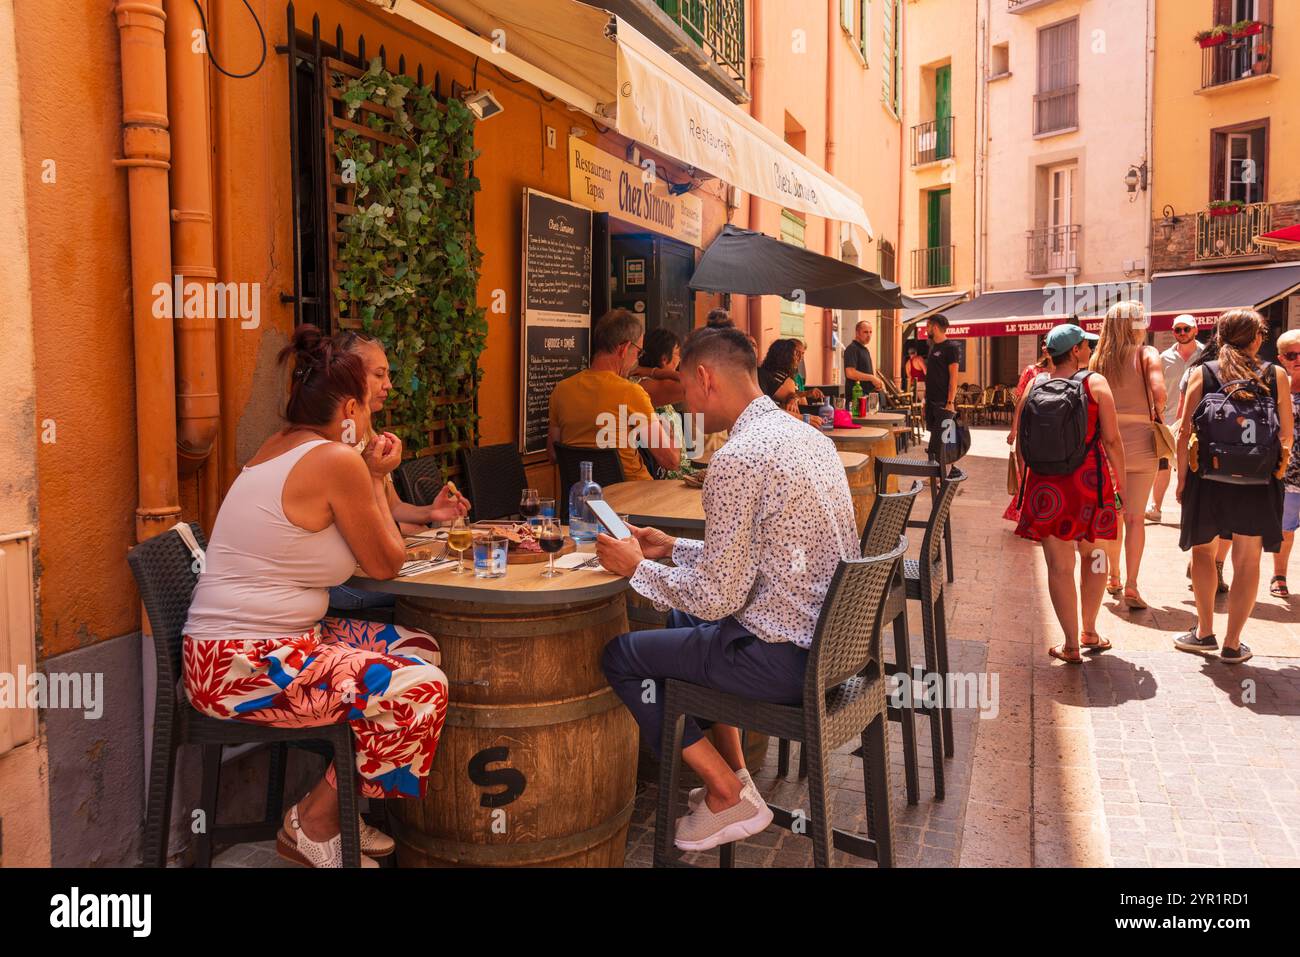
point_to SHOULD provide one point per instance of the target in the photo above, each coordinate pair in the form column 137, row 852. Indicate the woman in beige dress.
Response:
column 1137, row 381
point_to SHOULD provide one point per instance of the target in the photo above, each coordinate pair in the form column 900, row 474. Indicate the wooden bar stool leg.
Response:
column 209, row 787
column 819, row 816
column 903, row 660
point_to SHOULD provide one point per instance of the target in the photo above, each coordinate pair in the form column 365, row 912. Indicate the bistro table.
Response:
column 538, row 756
column 678, row 509
column 895, row 422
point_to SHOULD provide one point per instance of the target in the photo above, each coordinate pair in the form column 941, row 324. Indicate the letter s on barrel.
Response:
column 511, row 780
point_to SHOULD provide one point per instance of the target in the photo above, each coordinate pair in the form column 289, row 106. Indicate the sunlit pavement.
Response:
column 1142, row 756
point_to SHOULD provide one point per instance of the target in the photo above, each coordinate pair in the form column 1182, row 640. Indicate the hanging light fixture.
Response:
column 1168, row 224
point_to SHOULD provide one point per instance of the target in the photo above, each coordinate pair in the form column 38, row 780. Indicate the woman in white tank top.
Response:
column 300, row 518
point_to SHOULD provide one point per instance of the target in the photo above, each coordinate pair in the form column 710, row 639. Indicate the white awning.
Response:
column 564, row 48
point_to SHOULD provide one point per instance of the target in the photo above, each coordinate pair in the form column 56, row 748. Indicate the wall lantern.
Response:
column 483, row 104
column 1136, row 179
column 1168, row 223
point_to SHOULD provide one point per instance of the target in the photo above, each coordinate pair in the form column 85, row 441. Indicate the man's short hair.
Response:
column 1289, row 338
column 613, row 329
column 940, row 320
column 718, row 318
column 862, row 323
column 720, row 347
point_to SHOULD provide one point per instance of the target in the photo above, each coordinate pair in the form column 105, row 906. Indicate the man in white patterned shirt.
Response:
column 746, row 599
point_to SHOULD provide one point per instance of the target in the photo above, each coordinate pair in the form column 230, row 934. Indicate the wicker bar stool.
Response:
column 606, row 469
column 419, row 480
column 843, row 700
column 165, row 574
column 888, row 519
column 494, row 480
column 921, row 468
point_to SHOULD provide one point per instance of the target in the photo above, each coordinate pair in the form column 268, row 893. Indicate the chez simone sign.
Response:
column 604, row 183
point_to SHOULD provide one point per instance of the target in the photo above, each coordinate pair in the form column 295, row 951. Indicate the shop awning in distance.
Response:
column 1286, row 238
column 1029, row 312
column 920, row 308
column 755, row 264
column 1206, row 294
column 599, row 64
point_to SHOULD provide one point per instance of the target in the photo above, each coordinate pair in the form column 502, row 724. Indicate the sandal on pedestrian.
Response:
column 1277, row 587
column 293, row 844
column 1113, row 586
column 1062, row 655
column 1101, row 644
column 1134, row 600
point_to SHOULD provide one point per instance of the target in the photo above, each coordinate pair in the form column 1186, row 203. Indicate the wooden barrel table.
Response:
column 862, row 485
column 537, row 761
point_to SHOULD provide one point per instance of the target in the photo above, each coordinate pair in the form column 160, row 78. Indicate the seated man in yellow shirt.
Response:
column 600, row 408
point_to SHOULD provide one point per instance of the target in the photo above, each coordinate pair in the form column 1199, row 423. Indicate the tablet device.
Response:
column 608, row 518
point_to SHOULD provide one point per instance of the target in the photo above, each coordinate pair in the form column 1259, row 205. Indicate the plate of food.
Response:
column 522, row 547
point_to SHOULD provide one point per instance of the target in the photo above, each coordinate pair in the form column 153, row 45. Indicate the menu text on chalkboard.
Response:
column 556, row 339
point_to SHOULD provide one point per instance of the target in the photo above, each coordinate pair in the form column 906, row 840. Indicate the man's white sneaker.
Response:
column 697, row 794
column 703, row 829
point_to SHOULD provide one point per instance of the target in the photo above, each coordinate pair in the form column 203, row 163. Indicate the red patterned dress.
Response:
column 1066, row 506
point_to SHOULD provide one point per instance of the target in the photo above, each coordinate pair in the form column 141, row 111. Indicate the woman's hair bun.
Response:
column 322, row 376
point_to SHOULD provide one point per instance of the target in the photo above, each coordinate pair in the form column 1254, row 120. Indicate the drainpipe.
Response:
column 197, row 408
column 756, row 65
column 226, row 163
column 832, row 227
column 146, row 152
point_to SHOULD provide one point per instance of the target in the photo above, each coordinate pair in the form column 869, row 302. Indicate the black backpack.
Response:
column 1053, row 435
column 1238, row 435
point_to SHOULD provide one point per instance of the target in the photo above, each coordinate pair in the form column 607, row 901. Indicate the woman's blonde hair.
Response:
column 1237, row 329
column 1123, row 330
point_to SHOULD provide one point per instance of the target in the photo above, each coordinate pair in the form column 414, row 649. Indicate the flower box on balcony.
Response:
column 1224, row 208
column 1247, row 28
column 1212, row 38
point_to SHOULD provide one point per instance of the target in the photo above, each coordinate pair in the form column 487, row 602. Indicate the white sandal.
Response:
column 374, row 842
column 293, row 844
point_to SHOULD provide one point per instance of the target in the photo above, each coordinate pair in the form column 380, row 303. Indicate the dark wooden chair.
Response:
column 843, row 700
column 606, row 469
column 888, row 519
column 494, row 480
column 419, row 480
column 165, row 573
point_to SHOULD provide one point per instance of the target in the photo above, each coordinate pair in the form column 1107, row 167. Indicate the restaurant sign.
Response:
column 603, row 182
column 556, row 340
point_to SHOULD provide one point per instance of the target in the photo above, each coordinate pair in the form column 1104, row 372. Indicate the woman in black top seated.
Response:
column 776, row 376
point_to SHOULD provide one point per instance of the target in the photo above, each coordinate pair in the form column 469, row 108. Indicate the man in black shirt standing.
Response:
column 940, row 372
column 857, row 362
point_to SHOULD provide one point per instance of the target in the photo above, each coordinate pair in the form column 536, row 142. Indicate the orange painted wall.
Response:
column 81, row 289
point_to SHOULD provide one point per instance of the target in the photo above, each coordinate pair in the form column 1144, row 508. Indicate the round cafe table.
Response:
column 678, row 509
column 537, row 760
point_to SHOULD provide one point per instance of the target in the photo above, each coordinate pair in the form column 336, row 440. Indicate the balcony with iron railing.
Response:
column 1052, row 251
column 1024, row 6
column 932, row 141
column 1230, row 58
column 716, row 26
column 1224, row 234
column 1056, row 111
column 932, row 267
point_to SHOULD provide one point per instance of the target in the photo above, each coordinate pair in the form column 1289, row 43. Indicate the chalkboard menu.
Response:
column 556, row 339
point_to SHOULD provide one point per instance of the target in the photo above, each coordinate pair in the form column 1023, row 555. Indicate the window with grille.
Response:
column 1056, row 104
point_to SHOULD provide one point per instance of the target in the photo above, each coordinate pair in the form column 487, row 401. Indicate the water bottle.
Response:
column 827, row 413
column 583, row 526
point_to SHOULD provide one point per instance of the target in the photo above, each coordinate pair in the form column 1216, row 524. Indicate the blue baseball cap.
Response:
column 1064, row 338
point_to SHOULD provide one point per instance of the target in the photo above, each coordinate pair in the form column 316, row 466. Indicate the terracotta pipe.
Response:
column 146, row 154
column 756, row 64
column 832, row 227
column 197, row 405
column 225, row 164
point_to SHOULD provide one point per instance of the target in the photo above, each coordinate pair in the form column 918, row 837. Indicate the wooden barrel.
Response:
column 537, row 761
column 862, row 486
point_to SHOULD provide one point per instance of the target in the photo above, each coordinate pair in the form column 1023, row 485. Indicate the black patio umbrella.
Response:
column 754, row 264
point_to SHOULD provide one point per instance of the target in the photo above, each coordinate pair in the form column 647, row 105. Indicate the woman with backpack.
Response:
column 1070, row 490
column 1232, row 448
column 1137, row 381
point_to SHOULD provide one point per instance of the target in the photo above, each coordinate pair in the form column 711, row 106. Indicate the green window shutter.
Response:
column 890, row 26
column 792, row 313
column 846, row 14
column 864, row 30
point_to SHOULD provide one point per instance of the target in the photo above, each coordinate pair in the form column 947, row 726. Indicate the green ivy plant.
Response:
column 409, row 265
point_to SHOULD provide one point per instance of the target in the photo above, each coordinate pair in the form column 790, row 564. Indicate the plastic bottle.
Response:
column 583, row 526
column 855, row 398
column 827, row 413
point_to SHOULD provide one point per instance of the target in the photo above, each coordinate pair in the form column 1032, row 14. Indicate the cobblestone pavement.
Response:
column 1143, row 756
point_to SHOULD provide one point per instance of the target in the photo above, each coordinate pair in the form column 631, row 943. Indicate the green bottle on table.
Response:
column 856, row 398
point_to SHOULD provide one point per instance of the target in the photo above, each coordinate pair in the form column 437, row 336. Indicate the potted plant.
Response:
column 1262, row 51
column 1247, row 28
column 1224, row 207
column 1212, row 37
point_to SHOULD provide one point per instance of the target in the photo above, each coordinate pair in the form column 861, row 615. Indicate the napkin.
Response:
column 574, row 559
